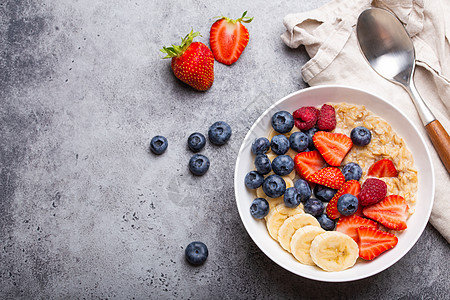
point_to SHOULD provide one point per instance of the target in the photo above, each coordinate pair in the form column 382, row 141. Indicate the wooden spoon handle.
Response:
column 441, row 141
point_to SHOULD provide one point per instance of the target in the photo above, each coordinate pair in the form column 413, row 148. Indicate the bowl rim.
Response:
column 307, row 89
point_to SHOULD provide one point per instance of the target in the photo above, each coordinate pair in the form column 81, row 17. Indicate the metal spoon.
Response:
column 389, row 50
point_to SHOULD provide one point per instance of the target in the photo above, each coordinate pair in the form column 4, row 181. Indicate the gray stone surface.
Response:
column 87, row 212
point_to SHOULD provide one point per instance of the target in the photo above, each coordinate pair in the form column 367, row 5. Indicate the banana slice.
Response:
column 292, row 175
column 288, row 180
column 260, row 193
column 301, row 243
column 274, row 202
column 271, row 156
column 291, row 225
column 291, row 153
column 334, row 251
column 277, row 216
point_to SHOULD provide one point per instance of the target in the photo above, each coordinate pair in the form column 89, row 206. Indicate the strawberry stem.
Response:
column 242, row 19
column 177, row 50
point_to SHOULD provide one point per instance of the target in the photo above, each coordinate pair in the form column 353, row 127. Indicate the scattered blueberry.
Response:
column 352, row 171
column 219, row 133
column 274, row 186
column 196, row 142
column 282, row 122
column 303, row 189
column 198, row 164
column 259, row 208
column 283, row 165
column 291, row 197
column 347, row 204
column 196, row 253
column 279, row 144
column 263, row 164
column 310, row 133
column 313, row 207
column 253, row 180
column 325, row 222
column 324, row 193
column 299, row 141
column 158, row 144
column 360, row 136
column 260, row 145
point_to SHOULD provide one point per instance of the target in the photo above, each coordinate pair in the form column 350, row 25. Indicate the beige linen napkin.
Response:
column 328, row 34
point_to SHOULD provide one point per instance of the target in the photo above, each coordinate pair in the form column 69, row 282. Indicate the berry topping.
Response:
column 196, row 253
column 306, row 117
column 324, row 193
column 259, row 208
column 360, row 136
column 373, row 242
column 282, row 122
column 307, row 163
column 313, row 207
column 310, row 133
column 260, row 145
column 352, row 171
column 291, row 197
column 279, row 144
column 327, row 118
column 372, row 191
column 303, row 189
column 325, row 222
column 219, row 133
column 332, row 146
column 350, row 187
column 391, row 212
column 299, row 141
column 158, row 144
column 274, row 186
column 347, row 204
column 196, row 141
column 198, row 164
column 253, row 180
column 283, row 165
column 383, row 168
column 263, row 164
column 348, row 225
column 329, row 176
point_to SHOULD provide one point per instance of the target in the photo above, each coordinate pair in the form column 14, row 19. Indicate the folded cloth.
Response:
column 329, row 36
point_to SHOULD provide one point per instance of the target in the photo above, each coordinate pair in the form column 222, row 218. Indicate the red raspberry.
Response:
column 327, row 118
column 306, row 117
column 373, row 191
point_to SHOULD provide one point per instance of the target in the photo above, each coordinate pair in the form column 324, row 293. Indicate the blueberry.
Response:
column 219, row 133
column 158, row 144
column 274, row 186
column 360, row 136
column 259, row 208
column 282, row 122
column 310, row 133
column 196, row 253
column 198, row 164
column 253, row 180
column 196, row 142
column 291, row 197
column 283, row 165
column 303, row 189
column 324, row 193
column 260, row 145
column 263, row 164
column 352, row 171
column 347, row 204
column 325, row 222
column 313, row 207
column 299, row 141
column 279, row 144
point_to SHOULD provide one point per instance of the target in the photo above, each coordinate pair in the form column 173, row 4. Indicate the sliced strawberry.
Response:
column 383, row 168
column 350, row 187
column 348, row 225
column 391, row 212
column 373, row 242
column 228, row 38
column 307, row 163
column 329, row 176
column 332, row 146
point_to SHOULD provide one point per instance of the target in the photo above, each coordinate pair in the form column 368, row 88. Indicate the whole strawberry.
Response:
column 372, row 191
column 192, row 63
column 228, row 38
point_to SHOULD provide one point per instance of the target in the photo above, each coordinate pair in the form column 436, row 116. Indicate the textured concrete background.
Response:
column 87, row 212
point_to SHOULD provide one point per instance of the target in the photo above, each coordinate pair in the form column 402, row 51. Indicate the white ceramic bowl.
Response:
column 401, row 124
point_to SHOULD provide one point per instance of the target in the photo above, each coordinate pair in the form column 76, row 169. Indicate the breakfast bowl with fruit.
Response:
column 334, row 184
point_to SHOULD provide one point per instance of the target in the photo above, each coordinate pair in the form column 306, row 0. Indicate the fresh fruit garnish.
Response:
column 196, row 253
column 158, row 144
column 301, row 243
column 196, row 142
column 383, row 168
column 373, row 242
column 259, row 208
column 332, row 146
column 329, row 176
column 327, row 118
column 279, row 144
column 360, row 136
column 263, row 164
column 253, row 180
column 348, row 225
column 274, row 186
column 391, row 212
column 228, row 38
column 350, row 187
column 373, row 191
column 307, row 163
column 352, row 171
column 299, row 141
column 291, row 197
column 303, row 189
column 282, row 121
column 313, row 207
column 347, row 204
column 260, row 146
column 283, row 165
column 219, row 133
column 198, row 164
column 192, row 63
column 325, row 222
column 306, row 117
